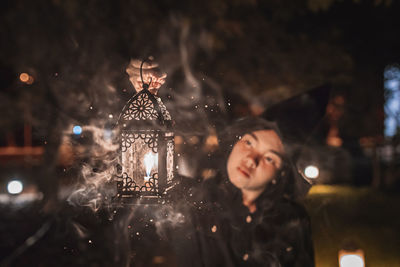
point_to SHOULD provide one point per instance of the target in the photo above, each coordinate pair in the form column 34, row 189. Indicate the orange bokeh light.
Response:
column 30, row 80
column 24, row 77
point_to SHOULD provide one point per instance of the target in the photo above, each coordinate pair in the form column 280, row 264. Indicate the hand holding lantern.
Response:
column 152, row 75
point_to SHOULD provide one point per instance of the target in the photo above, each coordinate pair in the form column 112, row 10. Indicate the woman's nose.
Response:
column 251, row 160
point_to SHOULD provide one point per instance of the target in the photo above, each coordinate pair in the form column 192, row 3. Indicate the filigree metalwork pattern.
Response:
column 163, row 109
column 127, row 185
column 127, row 139
column 142, row 108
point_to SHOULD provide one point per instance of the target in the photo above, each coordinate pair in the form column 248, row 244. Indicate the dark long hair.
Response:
column 287, row 179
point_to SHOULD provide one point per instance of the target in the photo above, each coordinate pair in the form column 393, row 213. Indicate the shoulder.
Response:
column 294, row 220
column 286, row 232
column 284, row 209
column 287, row 219
column 294, row 209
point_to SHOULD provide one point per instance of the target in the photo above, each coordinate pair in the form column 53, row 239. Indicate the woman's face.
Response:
column 255, row 160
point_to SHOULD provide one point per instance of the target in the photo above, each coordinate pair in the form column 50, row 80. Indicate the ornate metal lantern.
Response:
column 146, row 169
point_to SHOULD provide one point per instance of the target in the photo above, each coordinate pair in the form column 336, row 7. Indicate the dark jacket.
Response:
column 220, row 231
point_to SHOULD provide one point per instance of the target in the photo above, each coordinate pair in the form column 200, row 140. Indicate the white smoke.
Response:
column 97, row 187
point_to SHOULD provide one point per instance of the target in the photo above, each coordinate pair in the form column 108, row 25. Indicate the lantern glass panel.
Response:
column 139, row 160
column 170, row 157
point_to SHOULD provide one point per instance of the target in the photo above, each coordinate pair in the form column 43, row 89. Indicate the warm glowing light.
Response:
column 212, row 140
column 311, row 172
column 15, row 187
column 178, row 140
column 208, row 173
column 211, row 143
column 77, row 130
column 194, row 140
column 30, row 80
column 24, row 77
column 158, row 260
column 351, row 260
column 334, row 141
column 150, row 160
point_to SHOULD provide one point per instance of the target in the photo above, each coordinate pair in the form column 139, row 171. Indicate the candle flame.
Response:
column 150, row 160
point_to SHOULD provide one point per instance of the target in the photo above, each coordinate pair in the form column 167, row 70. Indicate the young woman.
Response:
column 248, row 216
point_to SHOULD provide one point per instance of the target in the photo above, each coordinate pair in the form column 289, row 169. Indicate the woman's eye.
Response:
column 247, row 142
column 269, row 159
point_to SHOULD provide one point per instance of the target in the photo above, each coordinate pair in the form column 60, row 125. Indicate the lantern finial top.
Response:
column 145, row 73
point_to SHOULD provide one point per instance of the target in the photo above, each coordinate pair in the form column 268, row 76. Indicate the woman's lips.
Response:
column 244, row 172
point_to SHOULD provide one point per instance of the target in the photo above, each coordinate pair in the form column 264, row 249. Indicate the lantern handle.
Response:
column 145, row 85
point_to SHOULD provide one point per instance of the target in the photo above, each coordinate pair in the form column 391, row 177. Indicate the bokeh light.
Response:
column 351, row 260
column 108, row 134
column 30, row 80
column 311, row 172
column 15, row 187
column 24, row 77
column 392, row 96
column 77, row 130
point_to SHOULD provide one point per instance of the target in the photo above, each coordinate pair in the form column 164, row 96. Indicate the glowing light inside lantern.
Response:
column 351, row 260
column 311, row 172
column 15, row 187
column 150, row 160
